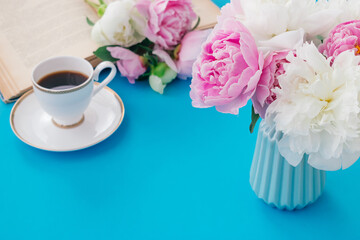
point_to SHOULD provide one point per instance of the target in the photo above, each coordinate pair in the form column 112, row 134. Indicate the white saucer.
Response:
column 35, row 127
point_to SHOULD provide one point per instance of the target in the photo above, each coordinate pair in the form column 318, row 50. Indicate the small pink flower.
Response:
column 168, row 20
column 345, row 36
column 129, row 64
column 190, row 48
column 227, row 71
column 273, row 68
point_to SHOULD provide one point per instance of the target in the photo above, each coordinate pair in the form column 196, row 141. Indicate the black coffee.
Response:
column 62, row 80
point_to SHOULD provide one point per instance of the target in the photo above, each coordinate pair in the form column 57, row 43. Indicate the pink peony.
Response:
column 168, row 20
column 190, row 48
column 227, row 71
column 273, row 68
column 129, row 64
column 345, row 36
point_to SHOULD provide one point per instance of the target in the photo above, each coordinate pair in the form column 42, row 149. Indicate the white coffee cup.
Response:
column 67, row 106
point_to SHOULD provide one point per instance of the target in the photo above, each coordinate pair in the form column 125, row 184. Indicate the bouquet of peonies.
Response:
column 298, row 62
column 148, row 39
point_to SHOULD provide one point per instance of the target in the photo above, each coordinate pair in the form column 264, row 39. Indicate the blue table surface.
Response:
column 170, row 171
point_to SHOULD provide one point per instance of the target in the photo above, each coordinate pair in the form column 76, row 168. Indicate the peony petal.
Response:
column 190, row 49
column 129, row 63
column 286, row 40
column 319, row 162
column 143, row 7
column 293, row 158
column 253, row 82
column 249, row 50
column 191, row 44
column 324, row 20
column 314, row 58
column 121, row 53
column 156, row 84
column 348, row 159
column 233, row 106
column 98, row 35
column 164, row 56
column 259, row 109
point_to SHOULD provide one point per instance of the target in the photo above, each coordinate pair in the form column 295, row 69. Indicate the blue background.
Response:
column 169, row 172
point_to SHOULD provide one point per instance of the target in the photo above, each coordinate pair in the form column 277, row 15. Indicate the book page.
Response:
column 33, row 30
column 207, row 11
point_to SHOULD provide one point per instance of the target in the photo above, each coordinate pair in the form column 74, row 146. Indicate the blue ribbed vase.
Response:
column 278, row 183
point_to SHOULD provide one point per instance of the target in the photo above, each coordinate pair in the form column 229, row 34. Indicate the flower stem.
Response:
column 100, row 8
column 196, row 25
column 92, row 4
column 254, row 118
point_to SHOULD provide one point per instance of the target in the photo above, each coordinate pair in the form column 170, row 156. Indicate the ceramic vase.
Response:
column 277, row 182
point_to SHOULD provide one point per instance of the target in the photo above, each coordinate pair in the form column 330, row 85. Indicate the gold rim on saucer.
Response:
column 19, row 101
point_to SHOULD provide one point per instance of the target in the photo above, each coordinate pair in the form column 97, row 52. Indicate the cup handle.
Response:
column 107, row 80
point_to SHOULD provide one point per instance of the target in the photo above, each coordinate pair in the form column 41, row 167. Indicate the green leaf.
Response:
column 144, row 77
column 104, row 54
column 321, row 38
column 254, row 118
column 151, row 59
column 91, row 23
column 145, row 48
column 196, row 25
column 142, row 48
column 147, row 43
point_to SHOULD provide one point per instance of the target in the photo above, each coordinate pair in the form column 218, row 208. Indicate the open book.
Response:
column 31, row 31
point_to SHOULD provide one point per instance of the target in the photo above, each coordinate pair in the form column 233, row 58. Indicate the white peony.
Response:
column 283, row 24
column 317, row 109
column 350, row 10
column 121, row 24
